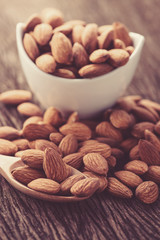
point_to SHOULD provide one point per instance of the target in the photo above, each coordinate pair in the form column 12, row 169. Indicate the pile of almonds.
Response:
column 118, row 153
column 75, row 49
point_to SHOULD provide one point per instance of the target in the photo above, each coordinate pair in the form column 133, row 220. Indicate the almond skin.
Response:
column 42, row 33
column 151, row 137
column 134, row 153
column 8, row 132
column 68, row 144
column 7, row 147
column 96, row 163
column 42, row 144
column 29, row 109
column 53, row 116
column 27, row 174
column 64, row 73
column 66, row 29
column 148, row 153
column 118, row 189
column 15, row 96
column 30, row 46
column 31, row 22
column 46, row 63
column 77, row 33
column 54, row 166
column 105, row 129
column 61, row 48
column 33, row 119
column 95, row 70
column 143, row 114
column 121, row 32
column 147, row 192
column 139, row 128
column 34, row 131
column 99, row 56
column 136, row 166
column 85, row 187
column 118, row 43
column 80, row 56
column 120, row 119
column 52, row 16
column 56, row 137
column 73, row 117
column 74, row 159
column 69, row 182
column 80, row 130
column 96, row 147
column 105, row 40
column 153, row 174
column 33, row 158
column 89, row 37
column 44, row 185
column 118, row 57
column 128, row 178
column 22, row 144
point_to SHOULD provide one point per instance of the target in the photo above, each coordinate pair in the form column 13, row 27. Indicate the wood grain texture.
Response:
column 101, row 217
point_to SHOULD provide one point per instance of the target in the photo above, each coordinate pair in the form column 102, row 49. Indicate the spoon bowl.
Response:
column 8, row 163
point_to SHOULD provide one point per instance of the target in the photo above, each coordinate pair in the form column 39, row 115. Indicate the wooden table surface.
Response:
column 102, row 216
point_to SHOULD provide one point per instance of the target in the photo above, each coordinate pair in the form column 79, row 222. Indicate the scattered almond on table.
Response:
column 75, row 49
column 118, row 153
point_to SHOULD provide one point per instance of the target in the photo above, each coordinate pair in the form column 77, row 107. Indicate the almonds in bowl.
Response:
column 69, row 63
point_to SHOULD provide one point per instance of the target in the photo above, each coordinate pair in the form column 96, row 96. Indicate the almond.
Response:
column 147, row 192
column 61, row 48
column 118, row 57
column 128, row 144
column 121, row 32
column 103, row 182
column 27, row 174
column 118, row 43
column 8, row 132
column 99, row 56
column 74, row 159
column 64, row 73
column 46, row 63
column 153, row 174
column 134, row 153
column 56, row 137
column 126, row 104
column 118, row 189
column 33, row 158
column 95, row 70
column 52, row 16
column 151, row 137
column 85, row 187
column 29, row 109
column 128, row 178
column 30, row 46
column 42, row 144
column 53, row 116
column 105, row 40
column 96, row 163
column 105, row 129
column 149, row 103
column 73, row 117
column 75, row 22
column 117, row 153
column 103, row 28
column 120, row 119
column 44, row 185
column 68, row 144
column 96, row 147
column 33, row 119
column 80, row 130
column 110, row 141
column 148, row 153
column 15, row 96
column 7, row 147
column 89, row 37
column 111, row 161
column 54, row 166
column 136, row 166
column 31, row 22
column 22, row 144
column 130, row 49
column 139, row 128
column 66, row 29
column 143, row 114
column 77, row 33
column 157, row 128
column 69, row 182
column 80, row 56
column 34, row 131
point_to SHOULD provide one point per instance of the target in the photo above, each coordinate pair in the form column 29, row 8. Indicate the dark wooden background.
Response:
column 101, row 217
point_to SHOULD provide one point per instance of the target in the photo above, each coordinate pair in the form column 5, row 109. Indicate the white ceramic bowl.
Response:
column 86, row 96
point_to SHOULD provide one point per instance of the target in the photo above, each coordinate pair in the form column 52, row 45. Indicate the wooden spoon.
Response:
column 8, row 163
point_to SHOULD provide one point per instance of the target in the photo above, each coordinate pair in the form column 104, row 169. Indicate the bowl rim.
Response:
column 19, row 40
